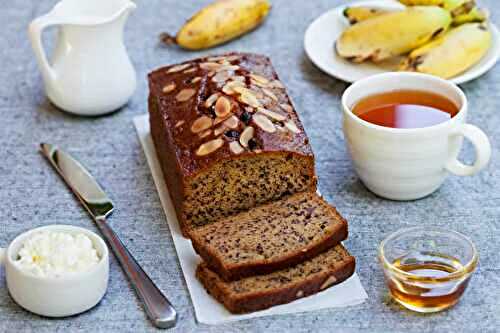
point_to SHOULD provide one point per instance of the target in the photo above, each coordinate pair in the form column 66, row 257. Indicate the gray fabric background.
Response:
column 31, row 194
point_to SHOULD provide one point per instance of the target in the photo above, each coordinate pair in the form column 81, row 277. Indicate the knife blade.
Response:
column 100, row 207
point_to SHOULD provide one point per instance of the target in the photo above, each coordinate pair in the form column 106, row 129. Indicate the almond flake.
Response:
column 179, row 123
column 328, row 282
column 299, row 294
column 220, row 77
column 270, row 94
column 219, row 120
column 211, row 73
column 257, row 83
column 209, row 66
column 169, row 88
column 271, row 114
column 259, row 78
column 178, row 68
column 211, row 100
column 264, row 123
column 190, row 70
column 222, row 107
column 185, row 94
column 232, row 58
column 235, row 147
column 228, row 68
column 201, row 124
column 204, row 134
column 249, row 99
column 209, row 147
column 219, row 130
column 196, row 79
column 287, row 107
column 246, row 135
column 214, row 59
column 249, row 109
column 292, row 127
column 232, row 122
column 230, row 86
column 238, row 78
column 276, row 84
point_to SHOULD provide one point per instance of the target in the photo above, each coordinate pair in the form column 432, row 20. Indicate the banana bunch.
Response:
column 439, row 37
column 219, row 22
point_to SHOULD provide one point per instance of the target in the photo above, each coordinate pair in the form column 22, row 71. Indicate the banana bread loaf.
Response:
column 269, row 237
column 263, row 291
column 227, row 136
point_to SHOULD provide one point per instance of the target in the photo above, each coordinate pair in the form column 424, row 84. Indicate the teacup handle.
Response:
column 481, row 145
column 35, row 34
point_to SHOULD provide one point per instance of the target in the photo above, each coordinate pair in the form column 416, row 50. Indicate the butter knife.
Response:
column 100, row 207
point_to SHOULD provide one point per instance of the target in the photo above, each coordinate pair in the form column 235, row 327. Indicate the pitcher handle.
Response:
column 35, row 34
column 483, row 151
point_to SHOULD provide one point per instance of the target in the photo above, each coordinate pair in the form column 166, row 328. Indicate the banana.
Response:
column 392, row 34
column 451, row 53
column 446, row 4
column 475, row 15
column 220, row 22
column 358, row 14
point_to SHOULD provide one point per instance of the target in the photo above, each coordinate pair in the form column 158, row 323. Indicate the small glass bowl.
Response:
column 427, row 269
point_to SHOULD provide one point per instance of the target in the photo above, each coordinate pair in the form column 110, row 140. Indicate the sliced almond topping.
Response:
column 249, row 109
column 209, row 147
column 292, row 127
column 211, row 100
column 185, row 94
column 232, row 122
column 219, row 120
column 276, row 84
column 169, row 88
column 204, row 134
column 178, row 68
column 272, row 114
column 211, row 73
column 201, row 124
column 249, row 99
column 299, row 294
column 219, row 130
column 221, row 77
column 287, row 107
column 222, row 107
column 264, row 123
column 246, row 135
column 238, row 78
column 257, row 83
column 240, row 89
column 209, row 66
column 190, row 70
column 195, row 79
column 235, row 147
column 214, row 59
column 179, row 123
column 228, row 68
column 232, row 58
column 230, row 86
column 270, row 94
column 328, row 282
column 259, row 78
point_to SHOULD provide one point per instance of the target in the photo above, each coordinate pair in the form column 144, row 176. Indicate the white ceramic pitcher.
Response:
column 90, row 73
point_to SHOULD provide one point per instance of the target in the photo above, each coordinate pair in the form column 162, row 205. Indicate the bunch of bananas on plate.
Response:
column 439, row 37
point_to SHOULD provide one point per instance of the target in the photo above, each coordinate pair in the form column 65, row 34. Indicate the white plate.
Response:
column 321, row 35
column 207, row 309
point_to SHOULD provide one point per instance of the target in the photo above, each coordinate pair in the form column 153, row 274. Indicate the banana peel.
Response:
column 219, row 22
column 475, row 15
column 361, row 13
column 392, row 34
column 452, row 53
column 446, row 4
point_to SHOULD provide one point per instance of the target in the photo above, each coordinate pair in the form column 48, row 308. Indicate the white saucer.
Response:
column 321, row 35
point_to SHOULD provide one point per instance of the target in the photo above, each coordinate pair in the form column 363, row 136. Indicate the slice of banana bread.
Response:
column 270, row 237
column 263, row 291
column 227, row 136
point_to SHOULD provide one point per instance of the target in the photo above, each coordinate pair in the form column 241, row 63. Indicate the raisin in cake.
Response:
column 227, row 136
column 269, row 237
column 263, row 291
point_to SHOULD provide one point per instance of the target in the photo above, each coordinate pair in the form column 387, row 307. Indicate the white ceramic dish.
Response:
column 62, row 296
column 321, row 35
column 207, row 309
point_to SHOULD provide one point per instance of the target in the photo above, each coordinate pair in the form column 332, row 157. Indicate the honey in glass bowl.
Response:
column 427, row 269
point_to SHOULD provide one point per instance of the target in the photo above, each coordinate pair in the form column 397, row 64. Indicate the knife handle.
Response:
column 157, row 306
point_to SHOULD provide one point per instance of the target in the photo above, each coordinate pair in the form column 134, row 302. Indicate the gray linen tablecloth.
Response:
column 32, row 195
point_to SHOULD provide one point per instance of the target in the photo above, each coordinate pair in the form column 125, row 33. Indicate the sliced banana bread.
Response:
column 270, row 237
column 227, row 136
column 263, row 291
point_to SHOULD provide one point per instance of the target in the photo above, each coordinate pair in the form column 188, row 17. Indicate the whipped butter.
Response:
column 56, row 254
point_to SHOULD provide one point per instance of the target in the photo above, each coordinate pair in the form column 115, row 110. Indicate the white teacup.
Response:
column 407, row 164
column 56, row 296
